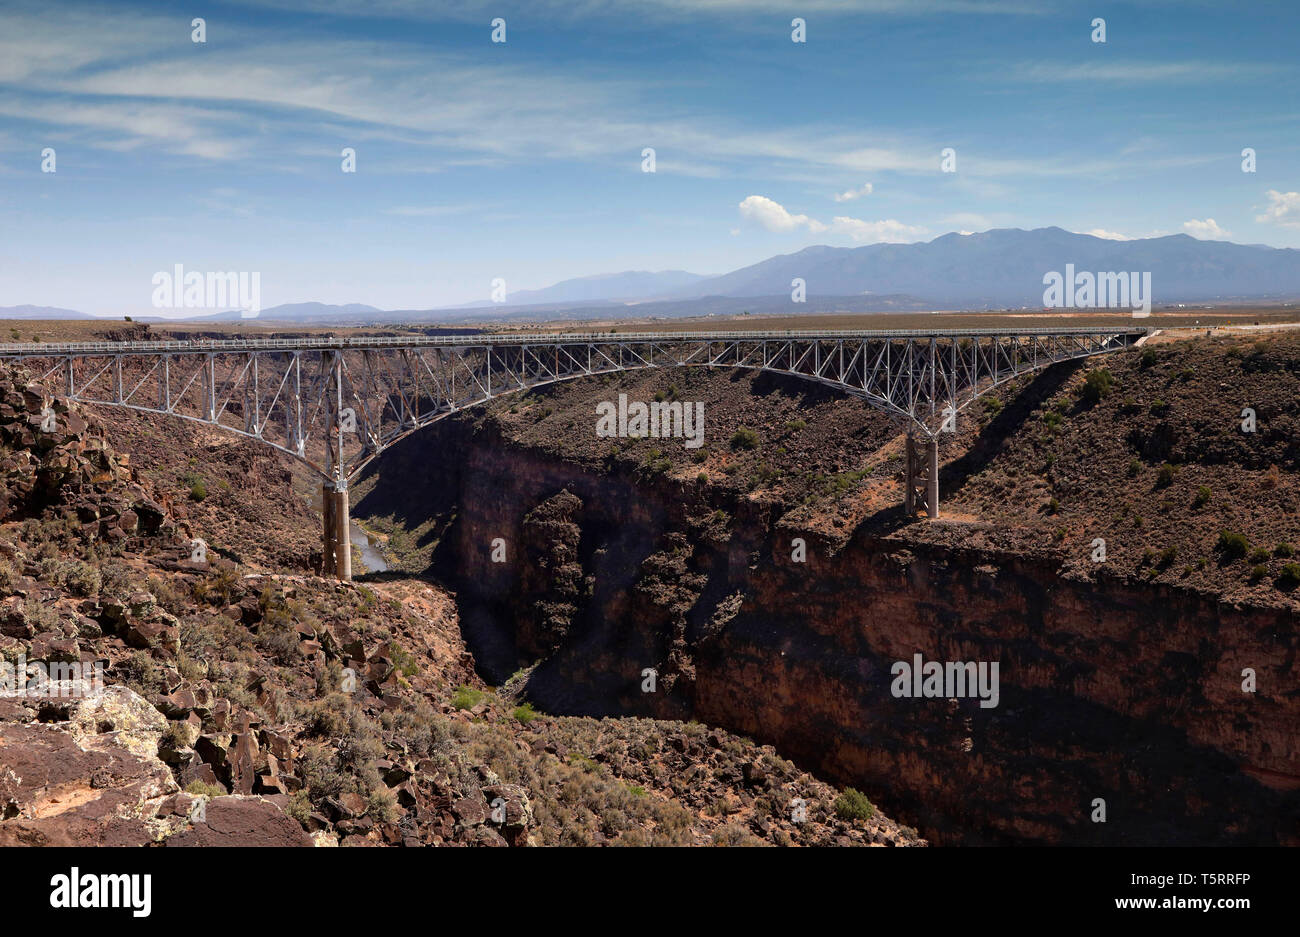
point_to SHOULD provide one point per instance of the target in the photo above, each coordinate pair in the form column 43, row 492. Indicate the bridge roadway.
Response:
column 382, row 342
column 335, row 403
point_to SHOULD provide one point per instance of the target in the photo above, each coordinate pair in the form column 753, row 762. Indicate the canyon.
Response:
column 633, row 641
column 1121, row 682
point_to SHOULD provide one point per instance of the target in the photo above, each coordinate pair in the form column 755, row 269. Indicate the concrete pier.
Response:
column 336, row 542
column 921, row 481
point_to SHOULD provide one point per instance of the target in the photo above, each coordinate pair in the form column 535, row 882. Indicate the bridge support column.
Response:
column 909, row 476
column 932, row 471
column 921, row 483
column 336, row 543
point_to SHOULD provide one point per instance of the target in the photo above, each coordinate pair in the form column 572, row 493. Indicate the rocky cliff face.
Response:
column 1111, row 688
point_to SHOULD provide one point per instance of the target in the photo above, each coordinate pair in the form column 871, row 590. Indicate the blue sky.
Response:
column 522, row 160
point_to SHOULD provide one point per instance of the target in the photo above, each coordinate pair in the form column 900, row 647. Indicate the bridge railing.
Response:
column 55, row 349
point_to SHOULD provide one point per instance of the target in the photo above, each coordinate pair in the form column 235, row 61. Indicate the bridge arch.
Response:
column 337, row 404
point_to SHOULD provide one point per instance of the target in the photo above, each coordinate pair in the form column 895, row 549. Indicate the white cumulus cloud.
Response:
column 1283, row 208
column 775, row 217
column 1207, row 230
column 1107, row 235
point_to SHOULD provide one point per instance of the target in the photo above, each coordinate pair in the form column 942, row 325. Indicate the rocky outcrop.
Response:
column 553, row 577
column 54, row 461
column 233, row 821
column 96, row 780
column 91, row 781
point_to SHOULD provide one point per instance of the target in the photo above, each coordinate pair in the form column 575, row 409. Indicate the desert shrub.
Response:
column 1202, row 498
column 1290, row 575
column 1165, row 475
column 744, row 438
column 1271, row 477
column 466, row 697
column 329, row 716
column 1258, row 572
column 657, row 463
column 114, row 580
column 176, row 734
column 525, row 712
column 1259, row 555
column 204, row 789
column 168, row 598
column 1168, row 555
column 733, row 834
column 1283, row 550
column 1134, row 466
column 852, row 804
column 1097, row 384
column 217, row 588
column 1148, row 357
column 299, row 806
column 381, row 804
column 198, row 488
column 83, row 579
column 1233, row 545
column 403, row 659
column 320, row 774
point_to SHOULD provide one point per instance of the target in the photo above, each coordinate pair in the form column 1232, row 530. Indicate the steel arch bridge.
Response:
column 337, row 403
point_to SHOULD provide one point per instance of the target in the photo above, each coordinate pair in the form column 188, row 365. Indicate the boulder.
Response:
column 240, row 821
column 511, row 812
column 124, row 716
column 92, row 781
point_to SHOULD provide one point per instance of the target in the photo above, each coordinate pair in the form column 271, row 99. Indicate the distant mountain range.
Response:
column 1005, row 267
column 991, row 270
column 41, row 312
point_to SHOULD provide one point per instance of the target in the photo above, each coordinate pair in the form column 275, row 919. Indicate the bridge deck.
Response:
column 335, row 403
column 52, row 349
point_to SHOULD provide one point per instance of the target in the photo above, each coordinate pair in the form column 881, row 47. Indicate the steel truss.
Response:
column 337, row 404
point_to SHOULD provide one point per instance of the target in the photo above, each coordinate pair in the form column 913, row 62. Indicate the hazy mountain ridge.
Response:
column 1005, row 267
column 41, row 312
column 994, row 269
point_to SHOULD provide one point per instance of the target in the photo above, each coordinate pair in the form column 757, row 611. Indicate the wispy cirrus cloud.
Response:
column 1140, row 72
column 745, row 14
column 141, row 82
